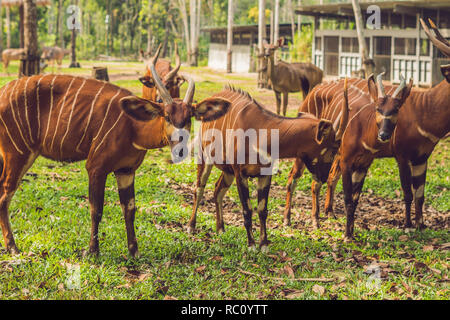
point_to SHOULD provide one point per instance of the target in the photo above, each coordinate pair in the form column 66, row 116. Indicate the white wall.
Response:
column 217, row 57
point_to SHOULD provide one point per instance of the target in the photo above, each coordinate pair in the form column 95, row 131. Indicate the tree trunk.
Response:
column 184, row 17
column 299, row 19
column 8, row 28
column 61, row 23
column 262, row 66
column 276, row 19
column 230, row 36
column 30, row 64
column 193, row 16
column 73, row 54
column 367, row 63
column 21, row 27
column 1, row 27
column 149, row 28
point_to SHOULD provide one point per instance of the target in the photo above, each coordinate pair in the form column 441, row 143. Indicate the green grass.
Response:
column 51, row 224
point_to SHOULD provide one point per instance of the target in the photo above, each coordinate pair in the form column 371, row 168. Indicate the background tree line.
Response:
column 120, row 28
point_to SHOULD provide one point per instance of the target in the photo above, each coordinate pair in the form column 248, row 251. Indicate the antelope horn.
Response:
column 344, row 114
column 400, row 87
column 165, row 96
column 189, row 96
column 174, row 71
column 381, row 93
column 439, row 41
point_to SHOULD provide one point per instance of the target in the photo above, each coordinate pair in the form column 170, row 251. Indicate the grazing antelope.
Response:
column 171, row 80
column 290, row 77
column 373, row 115
column 421, row 123
column 67, row 118
column 11, row 54
column 53, row 54
column 304, row 137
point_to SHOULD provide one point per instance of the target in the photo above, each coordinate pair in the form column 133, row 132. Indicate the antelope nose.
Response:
column 383, row 136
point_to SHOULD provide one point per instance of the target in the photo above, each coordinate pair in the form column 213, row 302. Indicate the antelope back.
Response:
column 62, row 117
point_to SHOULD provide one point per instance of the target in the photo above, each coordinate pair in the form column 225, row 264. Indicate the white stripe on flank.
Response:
column 106, row 114
column 60, row 112
column 70, row 116
column 9, row 135
column 90, row 116
column 51, row 108
column 26, row 108
column 428, row 135
column 14, row 116
column 38, row 108
column 104, row 137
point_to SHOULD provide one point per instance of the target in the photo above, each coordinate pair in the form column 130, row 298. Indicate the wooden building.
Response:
column 399, row 46
column 245, row 40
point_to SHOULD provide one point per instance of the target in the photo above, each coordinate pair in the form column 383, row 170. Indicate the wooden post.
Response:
column 29, row 65
column 100, row 73
column 230, row 36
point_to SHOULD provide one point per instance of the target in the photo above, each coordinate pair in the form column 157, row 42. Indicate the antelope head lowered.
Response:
column 175, row 113
column 387, row 107
column 170, row 79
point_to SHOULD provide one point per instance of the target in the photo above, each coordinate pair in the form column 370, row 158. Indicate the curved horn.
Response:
column 439, row 41
column 174, row 71
column 190, row 90
column 400, row 87
column 381, row 93
column 165, row 96
column 344, row 114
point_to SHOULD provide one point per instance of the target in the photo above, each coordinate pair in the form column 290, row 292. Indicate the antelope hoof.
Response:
column 316, row 225
column 13, row 250
column 190, row 229
column 252, row 248
column 133, row 251
column 408, row 225
column 286, row 222
column 421, row 226
column 348, row 239
column 220, row 230
column 264, row 248
column 94, row 252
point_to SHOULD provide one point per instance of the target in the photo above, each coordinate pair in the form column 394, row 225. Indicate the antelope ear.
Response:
column 324, row 129
column 446, row 72
column 210, row 109
column 406, row 91
column 147, row 81
column 141, row 109
column 372, row 86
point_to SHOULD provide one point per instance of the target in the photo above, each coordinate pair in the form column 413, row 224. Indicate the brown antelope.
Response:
column 421, row 123
column 290, row 77
column 304, row 137
column 171, row 80
column 67, row 118
column 11, row 54
column 53, row 54
column 324, row 102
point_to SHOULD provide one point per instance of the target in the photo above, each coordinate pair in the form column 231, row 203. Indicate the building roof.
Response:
column 345, row 9
column 16, row 3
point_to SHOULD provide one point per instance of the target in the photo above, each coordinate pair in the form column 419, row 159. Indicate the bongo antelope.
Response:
column 304, row 137
column 68, row 119
column 373, row 115
column 422, row 122
column 289, row 77
column 171, row 80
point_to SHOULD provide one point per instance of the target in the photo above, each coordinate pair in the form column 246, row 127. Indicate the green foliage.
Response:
column 300, row 50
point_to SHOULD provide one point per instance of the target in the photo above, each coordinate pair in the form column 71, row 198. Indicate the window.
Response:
column 350, row 45
column 382, row 46
column 405, row 46
column 424, row 47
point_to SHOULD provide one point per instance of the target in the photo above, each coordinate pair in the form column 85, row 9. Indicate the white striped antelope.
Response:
column 371, row 108
column 67, row 118
column 169, row 76
column 304, row 137
column 422, row 122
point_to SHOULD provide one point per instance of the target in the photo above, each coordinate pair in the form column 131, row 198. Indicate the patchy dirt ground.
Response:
column 373, row 212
